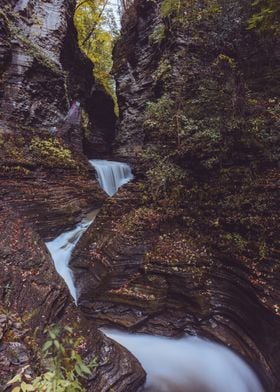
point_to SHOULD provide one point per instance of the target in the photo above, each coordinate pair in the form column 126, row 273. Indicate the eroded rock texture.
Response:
column 33, row 78
column 43, row 170
column 47, row 186
column 36, row 297
column 192, row 245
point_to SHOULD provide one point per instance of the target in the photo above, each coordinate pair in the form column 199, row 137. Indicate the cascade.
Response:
column 111, row 175
column 188, row 364
column 62, row 247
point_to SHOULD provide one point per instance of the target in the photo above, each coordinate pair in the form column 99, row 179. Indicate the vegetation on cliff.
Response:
column 210, row 141
column 97, row 32
column 59, row 363
column 191, row 245
column 215, row 110
column 266, row 16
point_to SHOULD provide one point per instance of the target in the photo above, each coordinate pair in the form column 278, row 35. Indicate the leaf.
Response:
column 57, row 344
column 15, row 379
column 24, row 368
column 47, row 345
column 68, row 329
column 16, row 389
column 85, row 369
column 52, row 334
column 23, row 386
column 78, row 370
column 29, row 387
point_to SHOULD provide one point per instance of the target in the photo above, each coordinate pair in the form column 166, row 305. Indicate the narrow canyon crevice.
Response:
column 190, row 246
column 181, row 250
column 47, row 186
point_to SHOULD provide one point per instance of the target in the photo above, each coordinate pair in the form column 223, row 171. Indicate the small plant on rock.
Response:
column 62, row 364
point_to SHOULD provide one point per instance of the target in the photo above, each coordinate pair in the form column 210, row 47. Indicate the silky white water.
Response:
column 189, row 364
column 62, row 247
column 111, row 175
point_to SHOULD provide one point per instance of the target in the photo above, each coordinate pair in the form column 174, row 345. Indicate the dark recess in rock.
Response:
column 103, row 119
column 99, row 106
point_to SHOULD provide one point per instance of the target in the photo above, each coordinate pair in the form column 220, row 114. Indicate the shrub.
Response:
column 63, row 365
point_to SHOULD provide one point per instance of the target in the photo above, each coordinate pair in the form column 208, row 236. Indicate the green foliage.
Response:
column 138, row 220
column 266, row 17
column 223, row 58
column 237, row 240
column 96, row 36
column 53, row 151
column 63, row 366
column 169, row 6
column 202, row 119
column 174, row 119
column 158, row 111
column 158, row 34
column 165, row 178
column 163, row 71
column 189, row 12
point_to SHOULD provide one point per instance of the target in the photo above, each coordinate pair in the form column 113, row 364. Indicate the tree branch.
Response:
column 95, row 25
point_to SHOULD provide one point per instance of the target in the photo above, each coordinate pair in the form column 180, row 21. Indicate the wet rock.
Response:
column 46, row 186
column 33, row 291
column 204, row 261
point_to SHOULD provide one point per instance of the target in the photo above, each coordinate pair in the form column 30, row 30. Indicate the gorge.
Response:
column 173, row 266
column 185, row 364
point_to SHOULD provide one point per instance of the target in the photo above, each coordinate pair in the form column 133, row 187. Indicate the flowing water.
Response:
column 111, row 175
column 189, row 364
column 62, row 247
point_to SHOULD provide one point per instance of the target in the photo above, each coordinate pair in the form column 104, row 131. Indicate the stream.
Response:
column 188, row 364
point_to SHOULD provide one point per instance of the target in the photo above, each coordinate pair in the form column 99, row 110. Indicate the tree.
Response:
column 97, row 32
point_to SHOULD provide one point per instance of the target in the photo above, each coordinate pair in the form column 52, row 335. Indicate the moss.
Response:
column 52, row 151
column 86, row 124
column 13, row 150
column 237, row 240
column 158, row 34
column 163, row 71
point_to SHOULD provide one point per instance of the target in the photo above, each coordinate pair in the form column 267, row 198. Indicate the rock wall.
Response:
column 33, row 297
column 35, row 31
column 42, row 157
column 191, row 246
column 42, row 71
column 47, row 186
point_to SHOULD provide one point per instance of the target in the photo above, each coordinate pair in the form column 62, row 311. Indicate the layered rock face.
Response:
column 43, row 71
column 41, row 151
column 47, row 186
column 191, row 246
column 34, row 71
column 35, row 296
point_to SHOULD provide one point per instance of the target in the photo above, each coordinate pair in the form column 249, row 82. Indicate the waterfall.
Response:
column 62, row 247
column 111, row 175
column 189, row 364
